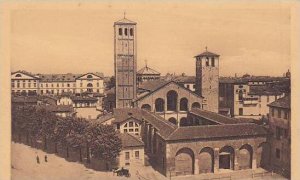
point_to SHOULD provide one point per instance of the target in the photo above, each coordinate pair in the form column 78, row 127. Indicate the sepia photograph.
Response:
column 149, row 90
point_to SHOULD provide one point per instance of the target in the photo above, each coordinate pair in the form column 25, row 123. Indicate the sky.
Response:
column 251, row 38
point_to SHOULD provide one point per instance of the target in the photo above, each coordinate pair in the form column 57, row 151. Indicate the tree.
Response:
column 111, row 83
column 105, row 144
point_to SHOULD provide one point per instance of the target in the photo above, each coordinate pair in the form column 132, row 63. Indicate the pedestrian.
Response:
column 46, row 158
column 37, row 159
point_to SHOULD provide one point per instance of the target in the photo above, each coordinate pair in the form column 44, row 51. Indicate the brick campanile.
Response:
column 207, row 79
column 125, row 62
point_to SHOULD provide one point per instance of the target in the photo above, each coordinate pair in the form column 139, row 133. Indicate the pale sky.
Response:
column 78, row 38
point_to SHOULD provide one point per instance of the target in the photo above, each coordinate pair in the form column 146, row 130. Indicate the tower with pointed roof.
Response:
column 125, row 61
column 207, row 79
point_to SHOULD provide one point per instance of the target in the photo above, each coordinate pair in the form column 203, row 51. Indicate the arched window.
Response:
column 159, row 105
column 172, row 100
column 120, row 31
column 183, row 104
column 172, row 120
column 196, row 105
column 89, row 76
column 125, row 32
column 240, row 95
column 90, row 87
column 146, row 107
column 18, row 75
column 131, row 31
column 185, row 122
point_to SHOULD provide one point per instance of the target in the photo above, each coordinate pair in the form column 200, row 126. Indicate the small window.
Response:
column 279, row 113
column 130, row 130
column 240, row 111
column 272, row 111
column 120, row 31
column 18, row 75
column 125, row 130
column 136, row 130
column 207, row 61
column 130, row 124
column 137, row 154
column 285, row 114
column 278, row 153
column 131, row 31
column 125, row 32
column 127, row 155
column 118, row 126
column 213, row 62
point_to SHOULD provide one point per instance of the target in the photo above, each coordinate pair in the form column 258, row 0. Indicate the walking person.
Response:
column 37, row 159
column 46, row 158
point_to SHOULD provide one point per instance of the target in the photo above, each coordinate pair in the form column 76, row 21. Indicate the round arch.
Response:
column 183, row 104
column 159, row 105
column 184, row 122
column 206, row 160
column 172, row 97
column 226, row 158
column 245, row 156
column 146, row 107
column 184, row 161
column 196, row 105
column 172, row 120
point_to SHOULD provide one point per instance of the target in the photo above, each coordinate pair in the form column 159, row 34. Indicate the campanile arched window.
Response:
column 131, row 31
column 120, row 31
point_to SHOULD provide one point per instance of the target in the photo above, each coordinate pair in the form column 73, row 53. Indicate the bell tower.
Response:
column 207, row 79
column 125, row 62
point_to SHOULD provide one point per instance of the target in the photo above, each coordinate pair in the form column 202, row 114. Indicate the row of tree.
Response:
column 37, row 124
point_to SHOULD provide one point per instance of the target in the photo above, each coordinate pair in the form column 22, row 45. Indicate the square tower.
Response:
column 207, row 80
column 125, row 62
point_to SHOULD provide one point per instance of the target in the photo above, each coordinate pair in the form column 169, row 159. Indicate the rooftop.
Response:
column 215, row 117
column 264, row 90
column 57, row 108
column 207, row 54
column 147, row 71
column 129, row 140
column 24, row 99
column 124, row 21
column 217, row 131
column 284, row 102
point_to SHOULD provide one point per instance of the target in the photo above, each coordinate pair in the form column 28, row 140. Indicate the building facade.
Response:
column 280, row 126
column 125, row 62
column 207, row 79
column 56, row 84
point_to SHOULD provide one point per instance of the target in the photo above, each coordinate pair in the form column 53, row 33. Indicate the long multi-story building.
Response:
column 26, row 83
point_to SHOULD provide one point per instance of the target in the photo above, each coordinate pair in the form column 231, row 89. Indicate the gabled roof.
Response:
column 163, row 85
column 284, row 102
column 207, row 54
column 147, row 71
column 26, row 73
column 98, row 74
column 69, row 77
column 129, row 140
column 217, row 131
column 215, row 117
column 122, row 114
column 152, row 85
column 124, row 21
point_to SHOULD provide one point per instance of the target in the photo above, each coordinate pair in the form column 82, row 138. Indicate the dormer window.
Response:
column 120, row 31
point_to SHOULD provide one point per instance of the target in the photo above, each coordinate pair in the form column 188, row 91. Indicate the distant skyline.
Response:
column 78, row 38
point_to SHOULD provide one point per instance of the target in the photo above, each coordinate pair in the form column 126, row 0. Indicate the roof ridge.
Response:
column 159, row 118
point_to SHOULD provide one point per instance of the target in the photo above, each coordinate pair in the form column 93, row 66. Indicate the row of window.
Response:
column 136, row 155
column 125, row 31
column 66, row 90
column 212, row 62
column 23, row 85
column 22, row 80
column 280, row 113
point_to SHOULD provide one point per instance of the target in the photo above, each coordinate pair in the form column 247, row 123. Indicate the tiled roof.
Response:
column 147, row 71
column 284, row 102
column 57, row 108
column 215, row 117
column 264, row 90
column 125, row 21
column 122, row 114
column 217, row 131
column 103, row 118
column 24, row 99
column 152, row 85
column 185, row 79
column 129, row 140
column 69, row 77
column 207, row 53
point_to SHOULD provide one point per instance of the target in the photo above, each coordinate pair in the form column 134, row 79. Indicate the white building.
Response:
column 56, row 84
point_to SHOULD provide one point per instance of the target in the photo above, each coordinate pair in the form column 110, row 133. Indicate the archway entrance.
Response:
column 226, row 158
column 184, row 162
